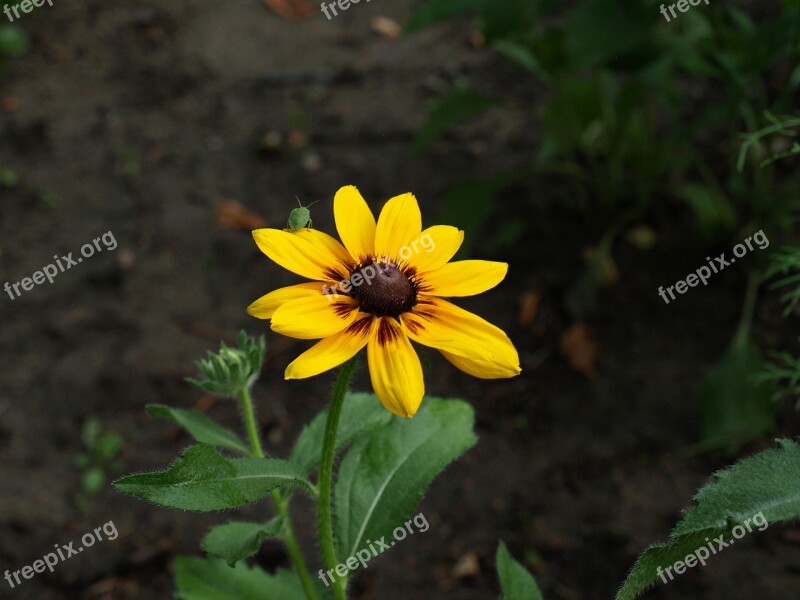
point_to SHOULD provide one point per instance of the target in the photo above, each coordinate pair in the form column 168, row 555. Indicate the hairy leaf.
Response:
column 384, row 475
column 361, row 412
column 203, row 429
column 744, row 498
column 212, row 579
column 204, row 480
column 239, row 540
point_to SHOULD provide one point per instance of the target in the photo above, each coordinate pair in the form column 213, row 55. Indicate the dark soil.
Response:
column 141, row 118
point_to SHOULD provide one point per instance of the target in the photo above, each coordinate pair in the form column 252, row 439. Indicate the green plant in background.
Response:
column 737, row 406
column 785, row 264
column 784, row 376
column 783, row 373
column 616, row 122
column 622, row 129
column 13, row 41
column 98, row 460
column 8, row 177
column 780, row 132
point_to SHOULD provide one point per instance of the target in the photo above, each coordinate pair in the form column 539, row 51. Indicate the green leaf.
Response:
column 515, row 581
column 8, row 177
column 447, row 112
column 82, row 460
column 13, row 41
column 602, row 30
column 108, row 446
column 736, row 406
column 239, row 540
column 520, row 54
column 385, row 474
column 757, row 491
column 212, row 579
column 715, row 214
column 91, row 431
column 93, row 480
column 360, row 413
column 436, row 11
column 470, row 204
column 203, row 429
column 204, row 480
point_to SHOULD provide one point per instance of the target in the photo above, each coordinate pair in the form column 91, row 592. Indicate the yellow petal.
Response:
column 265, row 307
column 442, row 325
column 299, row 254
column 479, row 367
column 399, row 222
column 320, row 239
column 463, row 278
column 334, row 350
column 354, row 222
column 395, row 370
column 432, row 248
column 314, row 317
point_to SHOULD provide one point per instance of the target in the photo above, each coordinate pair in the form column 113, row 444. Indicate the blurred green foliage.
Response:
column 640, row 115
column 639, row 109
column 98, row 460
column 13, row 41
column 783, row 373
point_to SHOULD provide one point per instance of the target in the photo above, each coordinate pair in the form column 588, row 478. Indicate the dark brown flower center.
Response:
column 382, row 289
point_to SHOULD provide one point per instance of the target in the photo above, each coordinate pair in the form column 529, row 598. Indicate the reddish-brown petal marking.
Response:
column 359, row 327
column 413, row 326
column 334, row 275
column 386, row 333
column 343, row 309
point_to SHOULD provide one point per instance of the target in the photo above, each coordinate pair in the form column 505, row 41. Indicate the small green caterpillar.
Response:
column 300, row 217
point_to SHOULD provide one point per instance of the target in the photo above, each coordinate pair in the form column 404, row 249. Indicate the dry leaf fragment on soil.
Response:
column 467, row 566
column 294, row 10
column 386, row 27
column 528, row 307
column 233, row 215
column 579, row 347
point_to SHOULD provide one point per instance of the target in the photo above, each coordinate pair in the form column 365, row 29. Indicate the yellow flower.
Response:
column 381, row 290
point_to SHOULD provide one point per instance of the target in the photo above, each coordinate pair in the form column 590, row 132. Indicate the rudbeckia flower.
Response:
column 382, row 288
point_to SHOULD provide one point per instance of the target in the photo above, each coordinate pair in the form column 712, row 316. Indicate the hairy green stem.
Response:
column 281, row 503
column 324, row 508
column 249, row 417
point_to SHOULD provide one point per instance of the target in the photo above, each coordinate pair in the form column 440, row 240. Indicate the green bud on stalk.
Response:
column 231, row 371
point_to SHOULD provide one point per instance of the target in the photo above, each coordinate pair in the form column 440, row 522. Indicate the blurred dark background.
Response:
column 593, row 147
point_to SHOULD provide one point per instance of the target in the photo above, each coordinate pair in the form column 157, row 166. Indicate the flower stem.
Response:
column 282, row 506
column 281, row 503
column 249, row 416
column 324, row 508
